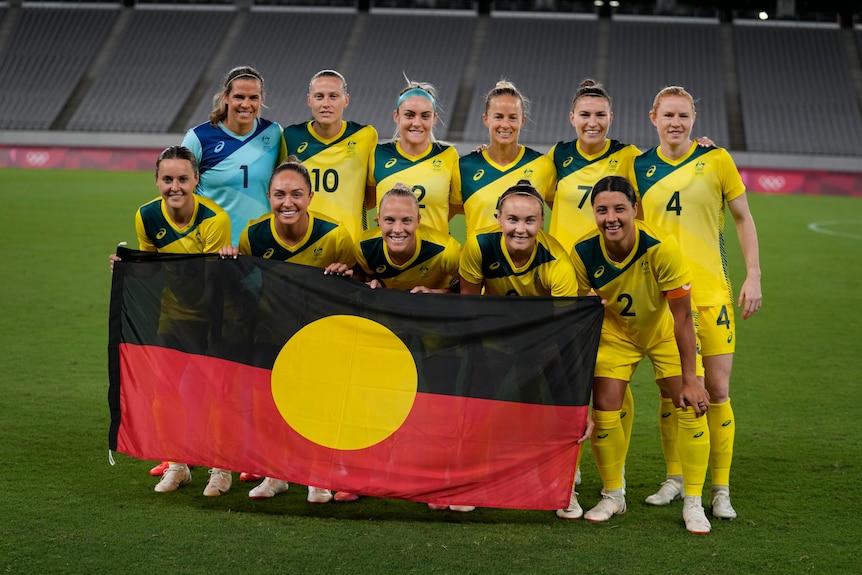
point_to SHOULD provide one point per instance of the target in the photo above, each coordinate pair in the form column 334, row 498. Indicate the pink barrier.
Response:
column 766, row 180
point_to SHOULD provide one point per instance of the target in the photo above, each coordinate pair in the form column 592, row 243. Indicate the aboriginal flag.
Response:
column 277, row 369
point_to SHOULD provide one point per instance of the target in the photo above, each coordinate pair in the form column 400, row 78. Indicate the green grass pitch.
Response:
column 797, row 474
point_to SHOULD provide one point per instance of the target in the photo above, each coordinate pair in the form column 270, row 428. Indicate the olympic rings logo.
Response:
column 37, row 158
column 772, row 183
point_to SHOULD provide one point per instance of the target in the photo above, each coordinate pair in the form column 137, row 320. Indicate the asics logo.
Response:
column 568, row 161
column 698, row 434
column 494, row 266
column 161, row 233
column 650, row 171
column 219, row 147
column 268, row 253
column 602, row 436
column 600, row 271
column 380, row 269
column 665, row 414
column 391, row 163
column 302, row 147
column 726, row 423
column 478, row 175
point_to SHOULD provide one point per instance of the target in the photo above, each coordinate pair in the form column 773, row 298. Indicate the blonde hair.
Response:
column 425, row 87
column 219, row 111
column 671, row 91
column 506, row 88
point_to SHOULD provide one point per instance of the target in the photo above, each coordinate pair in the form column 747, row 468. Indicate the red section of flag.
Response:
column 451, row 450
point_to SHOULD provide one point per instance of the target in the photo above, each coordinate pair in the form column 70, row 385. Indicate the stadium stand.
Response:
column 640, row 67
column 287, row 48
column 45, row 58
column 546, row 58
column 430, row 48
column 157, row 64
column 796, row 90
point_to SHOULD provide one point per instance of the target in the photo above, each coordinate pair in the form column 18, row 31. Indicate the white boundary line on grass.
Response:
column 824, row 228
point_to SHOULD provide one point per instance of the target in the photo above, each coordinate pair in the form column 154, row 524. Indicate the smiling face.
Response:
column 176, row 181
column 327, row 100
column 243, row 99
column 398, row 221
column 415, row 118
column 521, row 217
column 615, row 217
column 673, row 119
column 504, row 119
column 591, row 117
column 289, row 197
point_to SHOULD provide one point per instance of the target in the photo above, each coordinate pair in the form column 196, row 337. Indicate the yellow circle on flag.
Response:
column 344, row 382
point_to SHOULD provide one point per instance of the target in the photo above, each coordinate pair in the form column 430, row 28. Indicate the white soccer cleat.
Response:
column 176, row 475
column 721, row 507
column 670, row 490
column 694, row 516
column 613, row 503
column 269, row 487
column 219, row 483
column 319, row 495
column 574, row 510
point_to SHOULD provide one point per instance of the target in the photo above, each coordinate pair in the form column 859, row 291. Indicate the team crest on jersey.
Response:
column 536, row 278
column 265, row 141
column 600, row 271
column 478, row 175
column 318, row 252
column 351, row 147
column 568, row 161
column 650, row 171
column 612, row 165
column 645, row 267
column 437, row 165
column 528, row 173
column 268, row 253
column 699, row 167
column 423, row 271
column 162, row 232
column 390, row 163
column 301, row 147
column 219, row 147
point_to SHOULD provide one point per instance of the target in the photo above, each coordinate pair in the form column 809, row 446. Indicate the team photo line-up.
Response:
column 644, row 231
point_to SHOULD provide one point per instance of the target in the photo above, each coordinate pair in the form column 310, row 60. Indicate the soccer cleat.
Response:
column 694, row 517
column 462, row 508
column 319, row 495
column 269, row 487
column 574, row 510
column 177, row 474
column 219, row 483
column 670, row 490
column 345, row 497
column 613, row 503
column 721, row 507
column 578, row 475
column 159, row 469
column 432, row 506
column 250, row 477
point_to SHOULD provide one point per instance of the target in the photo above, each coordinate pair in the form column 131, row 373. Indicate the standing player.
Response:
column 335, row 152
column 486, row 174
column 684, row 190
column 292, row 233
column 237, row 149
column 414, row 156
column 402, row 254
column 643, row 280
column 180, row 222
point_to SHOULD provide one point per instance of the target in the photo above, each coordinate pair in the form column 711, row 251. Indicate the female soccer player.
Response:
column 643, row 280
column 486, row 174
column 335, row 152
column 290, row 232
column 684, row 189
column 180, row 222
column 415, row 157
column 237, row 149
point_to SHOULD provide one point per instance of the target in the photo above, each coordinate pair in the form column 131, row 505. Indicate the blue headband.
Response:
column 416, row 92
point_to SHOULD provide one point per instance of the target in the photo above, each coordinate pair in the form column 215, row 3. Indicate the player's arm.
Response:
column 693, row 391
column 750, row 295
column 469, row 288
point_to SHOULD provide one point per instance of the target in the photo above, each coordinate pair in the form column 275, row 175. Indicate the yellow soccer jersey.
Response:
column 207, row 231
column 636, row 308
column 549, row 271
column 324, row 243
column 338, row 168
column 430, row 175
column 572, row 213
column 434, row 265
column 687, row 198
column 483, row 182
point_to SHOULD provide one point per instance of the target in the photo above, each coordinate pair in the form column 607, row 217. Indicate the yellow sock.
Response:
column 693, row 446
column 608, row 447
column 627, row 417
column 722, row 430
column 668, row 426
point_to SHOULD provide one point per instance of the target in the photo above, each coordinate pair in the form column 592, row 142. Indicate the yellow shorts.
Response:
column 715, row 327
column 618, row 358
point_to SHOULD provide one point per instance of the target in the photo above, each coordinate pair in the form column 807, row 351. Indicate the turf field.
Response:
column 797, row 475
